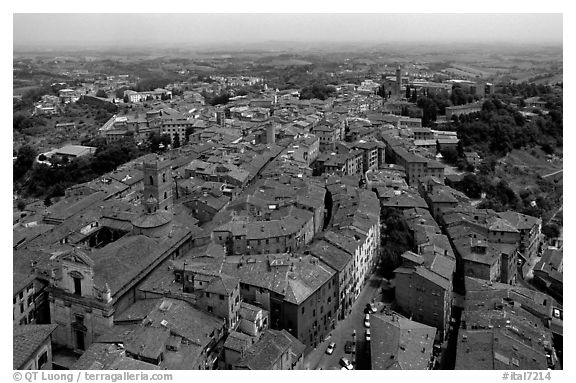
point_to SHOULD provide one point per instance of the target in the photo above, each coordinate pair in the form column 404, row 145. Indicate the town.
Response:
column 260, row 212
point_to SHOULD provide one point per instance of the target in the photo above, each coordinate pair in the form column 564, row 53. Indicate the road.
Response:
column 317, row 358
column 553, row 173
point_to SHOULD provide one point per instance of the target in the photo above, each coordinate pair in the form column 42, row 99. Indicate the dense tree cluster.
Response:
column 525, row 89
column 159, row 142
column 51, row 181
column 319, row 91
column 429, row 110
column 148, row 84
column 21, row 122
column 24, row 161
column 461, row 96
column 216, row 99
column 396, row 239
column 498, row 129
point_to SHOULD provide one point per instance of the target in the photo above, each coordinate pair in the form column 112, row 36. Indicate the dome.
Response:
column 151, row 220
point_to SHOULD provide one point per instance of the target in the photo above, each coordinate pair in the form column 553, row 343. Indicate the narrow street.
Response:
column 318, row 359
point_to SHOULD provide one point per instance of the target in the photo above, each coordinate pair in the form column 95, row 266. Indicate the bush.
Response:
column 21, row 205
column 551, row 230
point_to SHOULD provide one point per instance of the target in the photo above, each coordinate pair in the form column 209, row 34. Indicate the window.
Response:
column 302, row 310
column 163, row 177
column 210, row 309
column 30, row 300
column 21, row 308
column 42, row 360
column 151, row 180
column 207, row 295
column 77, row 286
column 221, row 297
column 78, row 318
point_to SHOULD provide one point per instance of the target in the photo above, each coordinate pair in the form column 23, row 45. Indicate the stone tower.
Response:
column 398, row 80
column 158, row 183
column 271, row 134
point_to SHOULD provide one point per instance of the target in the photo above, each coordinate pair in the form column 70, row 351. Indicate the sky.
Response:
column 131, row 29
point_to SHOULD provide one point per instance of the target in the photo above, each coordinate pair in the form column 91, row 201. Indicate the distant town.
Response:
column 288, row 211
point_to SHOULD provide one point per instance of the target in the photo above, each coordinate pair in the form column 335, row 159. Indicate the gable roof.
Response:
column 400, row 344
column 26, row 340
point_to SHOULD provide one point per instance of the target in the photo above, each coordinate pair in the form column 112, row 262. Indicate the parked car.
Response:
column 348, row 347
column 344, row 362
column 330, row 348
column 367, row 321
column 367, row 335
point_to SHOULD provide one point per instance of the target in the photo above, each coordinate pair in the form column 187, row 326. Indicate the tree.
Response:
column 450, row 155
column 396, row 238
column 176, row 142
column 47, row 202
column 471, row 186
column 429, row 110
column 188, row 132
column 21, row 205
column 101, row 93
column 319, row 91
column 21, row 122
column 24, row 161
column 156, row 140
column 408, row 93
column 551, row 230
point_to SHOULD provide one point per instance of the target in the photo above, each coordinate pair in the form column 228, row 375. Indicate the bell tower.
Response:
column 398, row 80
column 157, row 184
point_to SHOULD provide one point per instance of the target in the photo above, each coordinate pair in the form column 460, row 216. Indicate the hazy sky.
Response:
column 128, row 29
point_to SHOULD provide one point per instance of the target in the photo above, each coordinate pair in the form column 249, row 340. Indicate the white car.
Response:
column 367, row 335
column 367, row 321
column 330, row 348
column 346, row 364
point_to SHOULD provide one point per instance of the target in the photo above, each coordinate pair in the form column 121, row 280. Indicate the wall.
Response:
column 34, row 360
column 427, row 302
